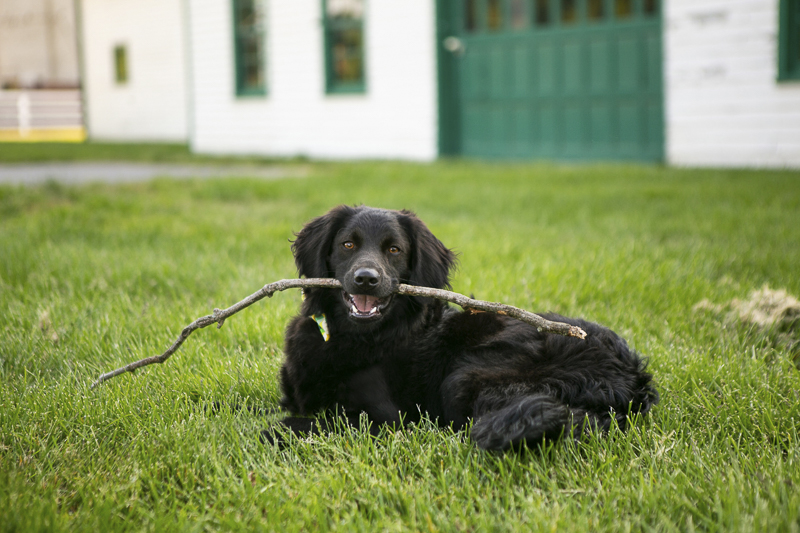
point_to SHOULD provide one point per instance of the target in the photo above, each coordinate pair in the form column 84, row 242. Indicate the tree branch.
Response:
column 268, row 290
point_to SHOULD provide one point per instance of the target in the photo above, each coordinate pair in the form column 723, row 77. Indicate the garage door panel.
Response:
column 498, row 70
column 583, row 86
column 628, row 65
column 600, row 129
column 546, row 72
column 599, row 66
column 574, row 129
column 520, row 71
column 573, row 67
column 547, row 130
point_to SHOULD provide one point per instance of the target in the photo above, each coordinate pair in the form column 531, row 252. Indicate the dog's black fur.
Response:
column 394, row 357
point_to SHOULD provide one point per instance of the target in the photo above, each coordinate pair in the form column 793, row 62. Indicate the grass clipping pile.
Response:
column 773, row 315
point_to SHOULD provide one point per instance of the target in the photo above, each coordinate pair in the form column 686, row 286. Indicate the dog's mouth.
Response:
column 365, row 306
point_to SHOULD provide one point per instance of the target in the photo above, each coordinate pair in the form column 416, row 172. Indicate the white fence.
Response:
column 41, row 115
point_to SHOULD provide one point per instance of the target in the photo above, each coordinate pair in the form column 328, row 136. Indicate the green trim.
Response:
column 583, row 89
column 243, row 89
column 449, row 135
column 789, row 40
column 332, row 85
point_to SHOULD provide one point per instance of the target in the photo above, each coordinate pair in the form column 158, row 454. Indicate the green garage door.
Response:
column 553, row 79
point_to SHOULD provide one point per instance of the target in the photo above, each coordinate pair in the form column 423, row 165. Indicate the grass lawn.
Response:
column 109, row 151
column 95, row 276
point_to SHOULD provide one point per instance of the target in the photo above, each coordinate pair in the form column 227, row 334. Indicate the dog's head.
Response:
column 370, row 251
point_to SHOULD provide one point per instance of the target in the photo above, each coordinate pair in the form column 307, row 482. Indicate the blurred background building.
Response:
column 38, row 44
column 688, row 82
column 136, row 65
column 39, row 72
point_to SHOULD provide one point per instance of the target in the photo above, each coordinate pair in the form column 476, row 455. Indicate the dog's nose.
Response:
column 366, row 278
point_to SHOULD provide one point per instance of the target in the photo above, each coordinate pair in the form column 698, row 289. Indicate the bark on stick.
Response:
column 219, row 315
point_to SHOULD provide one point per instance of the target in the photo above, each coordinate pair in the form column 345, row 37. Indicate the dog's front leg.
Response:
column 291, row 425
column 314, row 369
column 368, row 392
column 296, row 426
column 365, row 392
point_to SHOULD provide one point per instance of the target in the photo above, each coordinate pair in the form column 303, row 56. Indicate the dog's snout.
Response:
column 366, row 278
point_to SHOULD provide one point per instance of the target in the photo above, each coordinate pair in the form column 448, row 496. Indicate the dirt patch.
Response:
column 774, row 314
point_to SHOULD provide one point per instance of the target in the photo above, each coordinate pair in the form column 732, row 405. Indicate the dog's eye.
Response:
column 394, row 250
column 349, row 245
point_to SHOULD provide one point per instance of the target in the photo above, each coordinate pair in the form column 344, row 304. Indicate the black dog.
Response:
column 394, row 357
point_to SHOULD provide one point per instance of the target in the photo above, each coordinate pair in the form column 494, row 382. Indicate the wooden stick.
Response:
column 219, row 315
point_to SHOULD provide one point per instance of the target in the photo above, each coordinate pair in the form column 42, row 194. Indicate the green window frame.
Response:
column 249, row 47
column 343, row 25
column 789, row 41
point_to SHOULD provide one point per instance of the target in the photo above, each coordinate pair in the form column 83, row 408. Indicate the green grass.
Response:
column 93, row 277
column 109, row 151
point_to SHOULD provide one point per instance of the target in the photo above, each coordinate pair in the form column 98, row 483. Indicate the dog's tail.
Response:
column 531, row 419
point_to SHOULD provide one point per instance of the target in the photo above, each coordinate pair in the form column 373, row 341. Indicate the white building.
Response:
column 135, row 64
column 39, row 73
column 727, row 101
column 37, row 44
column 689, row 82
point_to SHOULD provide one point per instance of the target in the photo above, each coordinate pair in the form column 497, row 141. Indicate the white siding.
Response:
column 724, row 106
column 395, row 118
column 152, row 106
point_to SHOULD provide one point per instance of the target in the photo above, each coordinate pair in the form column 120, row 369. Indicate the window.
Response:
column 623, row 8
column 542, row 12
column 344, row 46
column 519, row 14
column 596, row 11
column 494, row 15
column 248, row 35
column 569, row 12
column 789, row 41
column 470, row 15
column 121, row 64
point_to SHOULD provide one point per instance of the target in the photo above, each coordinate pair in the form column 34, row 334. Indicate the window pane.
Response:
column 350, row 9
column 344, row 42
column 569, row 12
column 623, row 8
column 121, row 64
column 253, row 76
column 795, row 30
column 519, row 15
column 247, row 15
column 543, row 12
column 650, row 7
column 789, row 40
column 596, row 9
column 249, row 46
column 494, row 16
column 251, row 54
column 346, row 55
column 470, row 15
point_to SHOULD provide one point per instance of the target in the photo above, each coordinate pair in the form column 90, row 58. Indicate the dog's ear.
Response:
column 431, row 261
column 312, row 247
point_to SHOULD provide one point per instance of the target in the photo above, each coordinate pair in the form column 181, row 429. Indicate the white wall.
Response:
column 724, row 106
column 152, row 105
column 395, row 118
